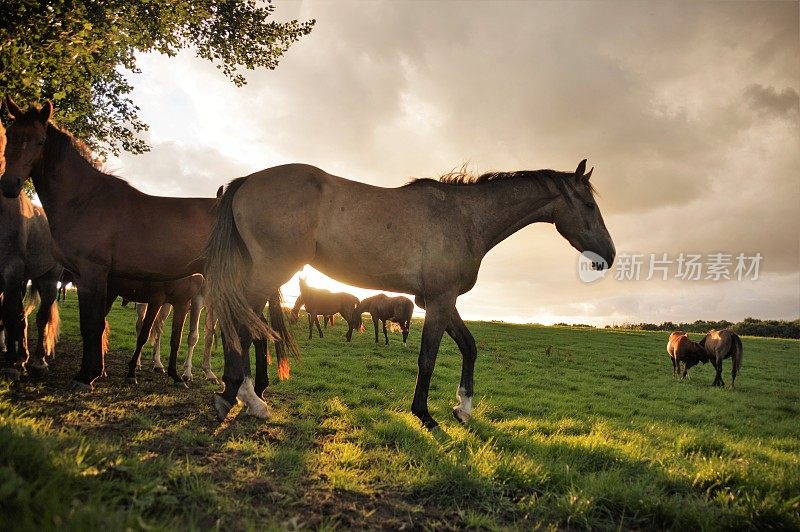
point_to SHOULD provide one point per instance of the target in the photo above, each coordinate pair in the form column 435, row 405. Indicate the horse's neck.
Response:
column 501, row 208
column 64, row 179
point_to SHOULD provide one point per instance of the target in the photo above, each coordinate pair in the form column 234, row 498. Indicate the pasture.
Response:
column 573, row 428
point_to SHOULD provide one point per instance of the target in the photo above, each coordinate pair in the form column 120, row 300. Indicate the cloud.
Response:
column 768, row 100
column 688, row 111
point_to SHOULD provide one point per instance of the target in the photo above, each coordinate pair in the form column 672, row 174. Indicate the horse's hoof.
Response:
column 11, row 374
column 180, row 384
column 187, row 378
column 259, row 410
column 158, row 370
column 214, row 379
column 222, row 407
column 132, row 380
column 38, row 372
column 80, row 387
column 461, row 415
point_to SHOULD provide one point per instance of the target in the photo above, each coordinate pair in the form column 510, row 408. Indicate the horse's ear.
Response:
column 45, row 112
column 219, row 190
column 13, row 109
column 588, row 174
column 581, row 168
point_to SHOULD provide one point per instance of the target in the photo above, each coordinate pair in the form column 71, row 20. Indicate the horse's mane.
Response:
column 462, row 177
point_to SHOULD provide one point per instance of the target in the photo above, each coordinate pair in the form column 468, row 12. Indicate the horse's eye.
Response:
column 590, row 205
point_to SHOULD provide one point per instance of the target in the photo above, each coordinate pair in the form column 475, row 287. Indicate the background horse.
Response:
column 323, row 302
column 118, row 231
column 382, row 307
column 25, row 254
column 273, row 222
column 720, row 345
column 681, row 349
column 66, row 278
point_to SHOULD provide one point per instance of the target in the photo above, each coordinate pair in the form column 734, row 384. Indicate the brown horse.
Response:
column 683, row 350
column 66, row 278
column 720, row 345
column 197, row 305
column 440, row 231
column 384, row 308
column 25, row 255
column 134, row 236
column 178, row 294
column 325, row 303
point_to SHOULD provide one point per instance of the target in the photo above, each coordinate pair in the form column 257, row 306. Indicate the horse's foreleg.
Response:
column 436, row 319
column 47, row 322
column 194, row 336
column 405, row 327
column 13, row 316
column 385, row 334
column 316, row 322
column 469, row 352
column 158, row 331
column 375, row 324
column 179, row 312
column 310, row 325
column 143, row 328
column 92, row 294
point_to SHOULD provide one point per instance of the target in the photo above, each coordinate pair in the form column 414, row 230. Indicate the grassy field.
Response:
column 573, row 428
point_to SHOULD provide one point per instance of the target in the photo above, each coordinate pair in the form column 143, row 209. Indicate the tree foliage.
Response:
column 76, row 53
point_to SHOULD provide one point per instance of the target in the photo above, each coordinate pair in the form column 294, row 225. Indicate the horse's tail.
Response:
column 104, row 341
column 52, row 329
column 285, row 345
column 227, row 265
column 31, row 300
column 736, row 353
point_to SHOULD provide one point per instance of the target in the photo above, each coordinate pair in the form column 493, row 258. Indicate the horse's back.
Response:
column 672, row 342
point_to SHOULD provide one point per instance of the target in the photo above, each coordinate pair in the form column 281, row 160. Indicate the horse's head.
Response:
column 578, row 218
column 25, row 144
column 294, row 315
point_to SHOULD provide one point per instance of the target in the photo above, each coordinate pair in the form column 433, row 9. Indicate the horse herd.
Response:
column 232, row 253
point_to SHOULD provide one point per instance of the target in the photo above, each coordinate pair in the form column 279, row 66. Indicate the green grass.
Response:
column 572, row 428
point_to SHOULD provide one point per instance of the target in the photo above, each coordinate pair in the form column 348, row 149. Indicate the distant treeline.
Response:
column 748, row 327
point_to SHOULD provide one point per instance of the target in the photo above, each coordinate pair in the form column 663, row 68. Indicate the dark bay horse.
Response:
column 273, row 222
column 681, row 349
column 323, row 302
column 384, row 308
column 720, row 345
column 25, row 255
column 103, row 228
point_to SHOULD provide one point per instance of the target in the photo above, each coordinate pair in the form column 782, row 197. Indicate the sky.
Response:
column 688, row 112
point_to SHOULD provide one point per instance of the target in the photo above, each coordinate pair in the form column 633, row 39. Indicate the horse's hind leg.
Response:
column 437, row 319
column 208, row 342
column 158, row 331
column 469, row 352
column 194, row 335
column 718, row 378
column 385, row 334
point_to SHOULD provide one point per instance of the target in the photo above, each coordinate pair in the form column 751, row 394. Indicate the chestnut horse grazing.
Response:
column 382, row 307
column 326, row 303
column 681, row 349
column 273, row 222
column 105, row 229
column 720, row 345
